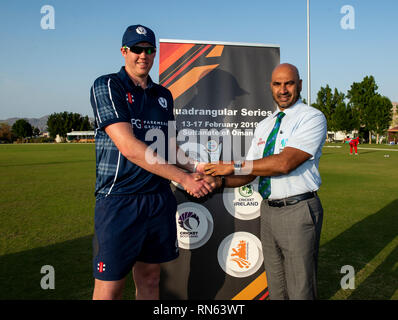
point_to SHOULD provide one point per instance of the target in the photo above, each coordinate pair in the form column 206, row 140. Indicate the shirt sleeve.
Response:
column 309, row 134
column 255, row 152
column 171, row 109
column 109, row 102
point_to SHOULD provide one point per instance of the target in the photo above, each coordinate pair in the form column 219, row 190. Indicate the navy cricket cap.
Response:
column 136, row 34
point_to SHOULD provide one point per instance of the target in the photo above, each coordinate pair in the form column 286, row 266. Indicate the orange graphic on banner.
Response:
column 171, row 53
column 241, row 255
column 253, row 289
column 215, row 52
column 185, row 65
column 189, row 79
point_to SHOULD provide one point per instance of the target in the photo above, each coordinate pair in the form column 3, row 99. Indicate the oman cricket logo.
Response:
column 240, row 255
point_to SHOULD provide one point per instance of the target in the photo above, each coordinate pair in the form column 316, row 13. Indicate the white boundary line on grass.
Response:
column 42, row 143
column 379, row 149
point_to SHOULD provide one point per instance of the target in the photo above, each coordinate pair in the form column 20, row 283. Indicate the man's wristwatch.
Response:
column 222, row 182
column 237, row 167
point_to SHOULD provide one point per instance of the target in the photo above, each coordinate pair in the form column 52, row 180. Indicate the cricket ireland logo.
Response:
column 246, row 191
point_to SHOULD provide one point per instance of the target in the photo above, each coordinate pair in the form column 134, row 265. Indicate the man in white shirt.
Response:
column 285, row 153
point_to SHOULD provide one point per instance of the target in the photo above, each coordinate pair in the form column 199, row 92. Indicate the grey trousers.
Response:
column 290, row 240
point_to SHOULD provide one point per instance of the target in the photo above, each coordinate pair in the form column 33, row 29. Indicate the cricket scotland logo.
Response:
column 189, row 221
column 163, row 102
column 141, row 30
column 194, row 225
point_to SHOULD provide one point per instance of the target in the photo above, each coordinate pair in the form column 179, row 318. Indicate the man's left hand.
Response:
column 219, row 169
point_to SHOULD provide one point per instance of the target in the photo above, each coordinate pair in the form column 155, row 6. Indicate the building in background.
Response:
column 394, row 122
column 80, row 136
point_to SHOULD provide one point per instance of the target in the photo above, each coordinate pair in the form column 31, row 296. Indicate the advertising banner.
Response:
column 221, row 92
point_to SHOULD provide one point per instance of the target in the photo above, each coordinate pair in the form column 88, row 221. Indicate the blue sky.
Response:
column 46, row 71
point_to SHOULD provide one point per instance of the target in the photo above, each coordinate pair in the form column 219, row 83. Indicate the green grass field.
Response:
column 47, row 206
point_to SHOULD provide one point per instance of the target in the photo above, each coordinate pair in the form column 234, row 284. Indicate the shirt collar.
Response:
column 292, row 109
column 126, row 79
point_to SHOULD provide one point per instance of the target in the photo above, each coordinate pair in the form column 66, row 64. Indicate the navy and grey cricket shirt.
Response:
column 115, row 98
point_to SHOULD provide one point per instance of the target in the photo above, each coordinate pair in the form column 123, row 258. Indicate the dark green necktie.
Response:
column 264, row 186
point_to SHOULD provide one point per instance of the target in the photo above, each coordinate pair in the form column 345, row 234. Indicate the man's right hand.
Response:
column 215, row 182
column 196, row 186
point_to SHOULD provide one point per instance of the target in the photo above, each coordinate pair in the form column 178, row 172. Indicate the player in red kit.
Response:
column 353, row 144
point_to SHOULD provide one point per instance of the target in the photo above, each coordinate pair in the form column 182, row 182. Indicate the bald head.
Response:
column 287, row 67
column 285, row 85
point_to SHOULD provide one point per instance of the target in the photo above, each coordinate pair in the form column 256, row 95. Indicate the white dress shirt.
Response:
column 303, row 127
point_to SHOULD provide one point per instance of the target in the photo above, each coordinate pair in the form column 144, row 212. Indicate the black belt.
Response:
column 291, row 200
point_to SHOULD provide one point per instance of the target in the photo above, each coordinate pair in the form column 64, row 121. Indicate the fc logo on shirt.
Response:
column 163, row 102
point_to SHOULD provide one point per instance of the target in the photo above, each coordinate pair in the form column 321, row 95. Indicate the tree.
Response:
column 55, row 124
column 36, row 131
column 327, row 102
column 85, row 124
column 381, row 115
column 344, row 118
column 5, row 132
column 22, row 129
column 62, row 123
column 361, row 96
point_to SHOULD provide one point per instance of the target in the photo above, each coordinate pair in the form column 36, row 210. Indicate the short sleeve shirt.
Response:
column 115, row 98
column 303, row 127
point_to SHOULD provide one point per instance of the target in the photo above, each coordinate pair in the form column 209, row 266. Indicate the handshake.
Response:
column 206, row 178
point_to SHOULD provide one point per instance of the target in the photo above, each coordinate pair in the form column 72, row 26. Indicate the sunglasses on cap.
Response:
column 138, row 49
